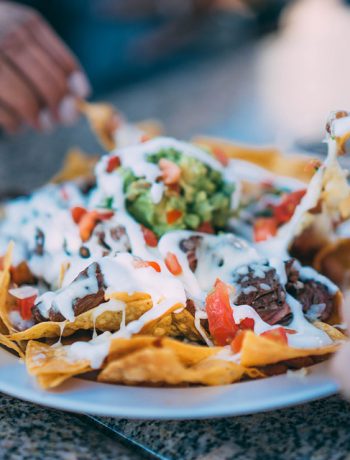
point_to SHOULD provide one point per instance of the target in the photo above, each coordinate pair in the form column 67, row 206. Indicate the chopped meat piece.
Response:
column 190, row 246
column 81, row 304
column 259, row 286
column 314, row 296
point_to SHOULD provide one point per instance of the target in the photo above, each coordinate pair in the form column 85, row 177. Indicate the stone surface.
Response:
column 317, row 431
column 31, row 432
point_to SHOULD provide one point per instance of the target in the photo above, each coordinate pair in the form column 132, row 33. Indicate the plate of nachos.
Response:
column 172, row 279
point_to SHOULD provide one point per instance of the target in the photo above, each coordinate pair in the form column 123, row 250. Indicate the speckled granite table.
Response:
column 215, row 97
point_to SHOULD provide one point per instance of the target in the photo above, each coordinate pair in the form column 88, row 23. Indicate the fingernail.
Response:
column 67, row 110
column 45, row 121
column 78, row 84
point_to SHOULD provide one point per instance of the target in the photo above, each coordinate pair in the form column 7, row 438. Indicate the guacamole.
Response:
column 192, row 195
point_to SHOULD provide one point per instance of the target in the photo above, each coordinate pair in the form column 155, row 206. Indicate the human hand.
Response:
column 40, row 79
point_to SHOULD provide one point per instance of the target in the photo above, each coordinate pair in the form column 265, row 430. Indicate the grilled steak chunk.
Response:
column 314, row 296
column 80, row 304
column 259, row 286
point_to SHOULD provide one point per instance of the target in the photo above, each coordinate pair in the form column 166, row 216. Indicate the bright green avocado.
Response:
column 201, row 196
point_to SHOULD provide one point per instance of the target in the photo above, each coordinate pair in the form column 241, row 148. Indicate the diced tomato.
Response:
column 105, row 215
column 145, row 138
column 25, row 306
column 277, row 334
column 149, row 237
column 290, row 331
column 206, row 227
column 221, row 156
column 89, row 221
column 237, row 342
column 77, row 213
column 247, row 323
column 87, row 224
column 173, row 215
column 25, row 298
column 264, row 228
column 113, row 163
column 147, row 263
column 222, row 325
column 171, row 172
column 284, row 211
column 173, row 264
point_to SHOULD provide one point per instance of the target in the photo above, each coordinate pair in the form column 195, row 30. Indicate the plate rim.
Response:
column 61, row 399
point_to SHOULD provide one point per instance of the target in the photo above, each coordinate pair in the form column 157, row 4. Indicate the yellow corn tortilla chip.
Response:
column 260, row 351
column 141, row 359
column 144, row 359
column 50, row 365
column 153, row 128
column 162, row 366
column 77, row 164
column 106, row 321
column 5, row 279
column 332, row 331
column 270, row 158
column 172, row 324
column 4, row 340
column 104, row 120
column 188, row 353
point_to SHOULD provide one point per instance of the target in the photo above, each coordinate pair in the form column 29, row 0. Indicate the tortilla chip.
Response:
column 189, row 354
column 5, row 279
column 152, row 128
column 333, row 332
column 162, row 366
column 270, row 158
column 144, row 359
column 50, row 365
column 104, row 120
column 135, row 306
column 259, row 351
column 106, row 321
column 77, row 164
column 4, row 340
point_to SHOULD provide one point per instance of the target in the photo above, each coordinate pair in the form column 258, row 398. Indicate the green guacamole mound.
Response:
column 202, row 196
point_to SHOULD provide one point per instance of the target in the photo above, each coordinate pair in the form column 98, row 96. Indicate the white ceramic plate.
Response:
column 167, row 403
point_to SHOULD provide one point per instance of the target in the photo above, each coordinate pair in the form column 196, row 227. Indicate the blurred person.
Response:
column 40, row 79
column 116, row 41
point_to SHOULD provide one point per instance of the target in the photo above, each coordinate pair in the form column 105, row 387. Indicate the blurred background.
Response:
column 257, row 71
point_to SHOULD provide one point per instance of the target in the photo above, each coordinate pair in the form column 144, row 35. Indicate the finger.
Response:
column 16, row 94
column 29, row 62
column 60, row 58
column 52, row 44
column 8, row 120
